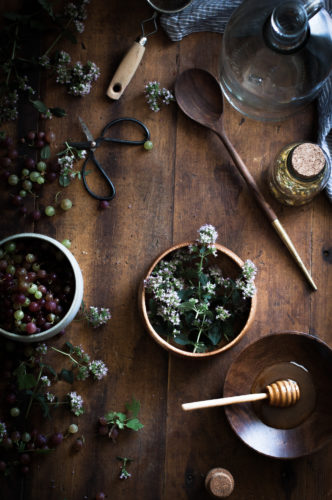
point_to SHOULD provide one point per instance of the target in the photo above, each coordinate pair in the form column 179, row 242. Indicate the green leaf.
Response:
column 187, row 306
column 121, row 416
column 24, row 380
column 40, row 106
column 182, row 340
column 64, row 180
column 47, row 6
column 228, row 330
column 185, row 294
column 70, row 346
column 214, row 334
column 110, row 417
column 134, row 407
column 45, row 152
column 134, row 424
column 203, row 278
column 41, row 400
column 67, row 375
column 49, row 368
column 200, row 347
column 59, row 112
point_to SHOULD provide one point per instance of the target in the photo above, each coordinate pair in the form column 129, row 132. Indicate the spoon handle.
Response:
column 240, row 165
column 210, row 403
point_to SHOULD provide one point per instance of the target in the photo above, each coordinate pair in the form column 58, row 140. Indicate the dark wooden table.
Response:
column 163, row 197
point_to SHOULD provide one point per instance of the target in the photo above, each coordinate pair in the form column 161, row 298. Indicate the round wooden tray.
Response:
column 310, row 434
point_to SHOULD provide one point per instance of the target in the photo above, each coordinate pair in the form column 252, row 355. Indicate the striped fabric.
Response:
column 212, row 15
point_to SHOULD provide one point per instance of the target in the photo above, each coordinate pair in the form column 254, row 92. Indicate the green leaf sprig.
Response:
column 120, row 421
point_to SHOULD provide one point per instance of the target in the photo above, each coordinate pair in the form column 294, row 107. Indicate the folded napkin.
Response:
column 213, row 15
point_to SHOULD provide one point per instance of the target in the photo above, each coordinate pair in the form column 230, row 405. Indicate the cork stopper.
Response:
column 219, row 483
column 307, row 160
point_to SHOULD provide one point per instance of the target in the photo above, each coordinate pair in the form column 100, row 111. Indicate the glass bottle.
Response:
column 276, row 55
column 300, row 171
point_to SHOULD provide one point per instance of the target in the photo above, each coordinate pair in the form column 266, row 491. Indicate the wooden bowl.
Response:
column 309, row 421
column 231, row 265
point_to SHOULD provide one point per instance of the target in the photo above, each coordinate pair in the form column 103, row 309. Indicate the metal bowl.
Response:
column 77, row 297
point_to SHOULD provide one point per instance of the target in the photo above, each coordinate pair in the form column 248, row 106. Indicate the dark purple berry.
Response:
column 103, row 204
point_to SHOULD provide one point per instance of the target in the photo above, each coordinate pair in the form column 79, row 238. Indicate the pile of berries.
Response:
column 36, row 286
column 26, row 176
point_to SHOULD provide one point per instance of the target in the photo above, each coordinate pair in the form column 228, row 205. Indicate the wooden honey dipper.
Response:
column 282, row 393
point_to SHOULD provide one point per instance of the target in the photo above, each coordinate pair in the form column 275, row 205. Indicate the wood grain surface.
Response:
column 163, row 197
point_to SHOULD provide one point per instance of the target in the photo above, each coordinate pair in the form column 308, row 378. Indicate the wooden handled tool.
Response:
column 282, row 393
column 131, row 61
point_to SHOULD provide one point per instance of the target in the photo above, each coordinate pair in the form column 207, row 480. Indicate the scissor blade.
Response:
column 85, row 129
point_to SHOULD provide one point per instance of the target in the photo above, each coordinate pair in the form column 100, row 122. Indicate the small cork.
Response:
column 308, row 160
column 219, row 483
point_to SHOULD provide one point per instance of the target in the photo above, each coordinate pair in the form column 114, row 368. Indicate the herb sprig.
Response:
column 191, row 303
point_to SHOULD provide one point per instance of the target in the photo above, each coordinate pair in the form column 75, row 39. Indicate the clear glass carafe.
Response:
column 275, row 56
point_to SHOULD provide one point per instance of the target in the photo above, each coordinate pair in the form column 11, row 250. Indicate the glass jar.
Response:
column 299, row 172
column 276, row 55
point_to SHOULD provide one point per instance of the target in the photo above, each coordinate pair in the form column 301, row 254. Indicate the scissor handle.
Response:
column 125, row 141
column 92, row 157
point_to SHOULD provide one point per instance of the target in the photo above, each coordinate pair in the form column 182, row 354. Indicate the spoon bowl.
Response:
column 199, row 96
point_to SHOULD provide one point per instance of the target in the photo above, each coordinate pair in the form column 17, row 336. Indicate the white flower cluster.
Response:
column 164, row 285
column 3, row 430
column 208, row 236
column 222, row 313
column 50, row 397
column 45, row 381
column 155, row 95
column 124, row 474
column 97, row 316
column 246, row 282
column 77, row 13
column 41, row 349
column 23, row 85
column 44, row 61
column 68, row 159
column 8, row 107
column 78, row 78
column 76, row 403
column 98, row 369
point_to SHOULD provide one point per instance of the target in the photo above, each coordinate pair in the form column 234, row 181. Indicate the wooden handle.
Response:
column 125, row 71
column 241, row 166
column 247, row 398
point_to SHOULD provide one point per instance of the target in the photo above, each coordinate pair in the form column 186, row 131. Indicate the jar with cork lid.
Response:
column 219, row 483
column 299, row 172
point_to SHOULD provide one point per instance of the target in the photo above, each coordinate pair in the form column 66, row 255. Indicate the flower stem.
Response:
column 33, row 394
column 69, row 356
column 12, row 55
column 199, row 334
column 60, row 35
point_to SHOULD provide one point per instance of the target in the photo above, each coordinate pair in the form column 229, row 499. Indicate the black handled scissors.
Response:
column 93, row 144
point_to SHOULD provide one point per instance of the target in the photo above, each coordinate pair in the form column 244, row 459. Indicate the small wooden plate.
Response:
column 303, row 437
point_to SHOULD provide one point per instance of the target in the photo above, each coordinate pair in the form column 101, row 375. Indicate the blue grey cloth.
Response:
column 213, row 15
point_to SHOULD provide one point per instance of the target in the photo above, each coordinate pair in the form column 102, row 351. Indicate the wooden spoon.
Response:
column 282, row 393
column 199, row 96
